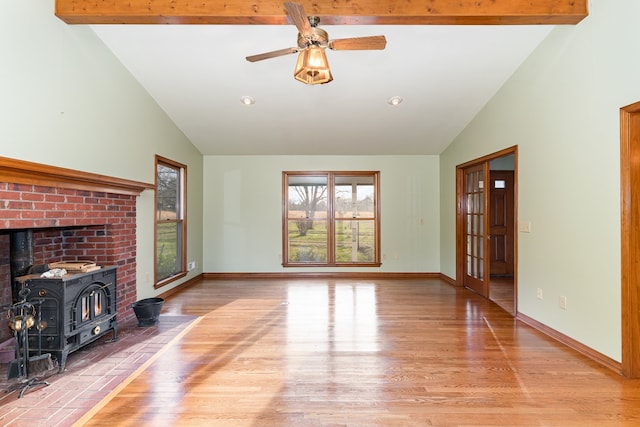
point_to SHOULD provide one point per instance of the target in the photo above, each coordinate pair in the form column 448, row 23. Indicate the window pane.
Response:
column 355, row 241
column 170, row 225
column 168, row 249
column 307, row 240
column 168, row 193
column 354, row 197
column 307, row 197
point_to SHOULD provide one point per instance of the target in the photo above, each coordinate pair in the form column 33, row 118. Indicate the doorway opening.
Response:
column 485, row 227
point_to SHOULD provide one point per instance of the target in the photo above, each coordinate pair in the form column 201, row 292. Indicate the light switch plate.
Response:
column 524, row 226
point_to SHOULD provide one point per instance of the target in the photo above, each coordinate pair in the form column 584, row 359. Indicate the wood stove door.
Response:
column 93, row 303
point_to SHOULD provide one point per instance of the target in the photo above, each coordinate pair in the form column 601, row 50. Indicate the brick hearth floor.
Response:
column 92, row 373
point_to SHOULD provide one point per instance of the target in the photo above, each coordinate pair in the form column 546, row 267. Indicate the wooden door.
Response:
column 474, row 226
column 501, row 223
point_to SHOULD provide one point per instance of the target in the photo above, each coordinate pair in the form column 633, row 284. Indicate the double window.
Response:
column 170, row 224
column 331, row 219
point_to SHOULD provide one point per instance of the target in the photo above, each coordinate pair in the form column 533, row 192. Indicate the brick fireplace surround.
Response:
column 73, row 216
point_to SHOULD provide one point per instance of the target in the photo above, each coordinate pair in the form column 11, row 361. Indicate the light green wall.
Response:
column 243, row 210
column 562, row 110
column 65, row 100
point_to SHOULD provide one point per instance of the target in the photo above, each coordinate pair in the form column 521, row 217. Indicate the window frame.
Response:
column 181, row 221
column 331, row 218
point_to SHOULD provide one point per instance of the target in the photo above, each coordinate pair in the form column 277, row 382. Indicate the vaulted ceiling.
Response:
column 444, row 59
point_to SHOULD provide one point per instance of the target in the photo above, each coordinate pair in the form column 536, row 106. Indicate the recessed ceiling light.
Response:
column 247, row 100
column 394, row 100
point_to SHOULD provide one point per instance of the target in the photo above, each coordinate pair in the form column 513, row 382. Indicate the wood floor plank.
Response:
column 364, row 353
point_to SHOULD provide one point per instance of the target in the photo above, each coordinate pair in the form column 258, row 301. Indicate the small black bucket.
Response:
column 147, row 311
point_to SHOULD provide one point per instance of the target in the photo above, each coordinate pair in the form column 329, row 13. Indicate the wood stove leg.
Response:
column 115, row 333
column 63, row 360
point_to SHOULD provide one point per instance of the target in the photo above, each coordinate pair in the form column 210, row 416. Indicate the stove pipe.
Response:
column 20, row 256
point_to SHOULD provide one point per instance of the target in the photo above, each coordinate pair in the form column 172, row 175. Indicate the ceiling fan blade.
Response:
column 299, row 18
column 272, row 54
column 359, row 43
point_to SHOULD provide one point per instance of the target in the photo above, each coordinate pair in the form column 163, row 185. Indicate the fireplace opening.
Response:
column 75, row 306
column 30, row 251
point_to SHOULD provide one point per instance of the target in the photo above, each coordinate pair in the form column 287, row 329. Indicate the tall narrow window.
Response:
column 170, row 221
column 331, row 219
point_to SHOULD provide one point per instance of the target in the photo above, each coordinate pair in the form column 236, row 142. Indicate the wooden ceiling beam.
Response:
column 336, row 12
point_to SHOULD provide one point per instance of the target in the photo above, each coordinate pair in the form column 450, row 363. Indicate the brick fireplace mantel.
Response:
column 23, row 172
column 74, row 215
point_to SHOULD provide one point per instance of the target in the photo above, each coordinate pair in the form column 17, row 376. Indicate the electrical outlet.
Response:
column 539, row 293
column 191, row 266
column 563, row 302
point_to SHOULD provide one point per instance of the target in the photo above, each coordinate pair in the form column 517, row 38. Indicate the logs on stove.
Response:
column 76, row 309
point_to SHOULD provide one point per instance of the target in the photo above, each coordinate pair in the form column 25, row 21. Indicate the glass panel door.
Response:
column 474, row 228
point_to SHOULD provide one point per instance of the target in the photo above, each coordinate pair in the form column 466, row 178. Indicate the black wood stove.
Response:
column 75, row 309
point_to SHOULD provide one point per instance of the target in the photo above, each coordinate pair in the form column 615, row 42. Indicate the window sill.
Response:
column 170, row 279
column 351, row 265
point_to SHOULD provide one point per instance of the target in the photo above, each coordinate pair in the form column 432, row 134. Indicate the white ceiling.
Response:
column 198, row 73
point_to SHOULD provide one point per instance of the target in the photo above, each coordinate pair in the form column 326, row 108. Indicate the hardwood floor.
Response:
column 363, row 353
column 501, row 291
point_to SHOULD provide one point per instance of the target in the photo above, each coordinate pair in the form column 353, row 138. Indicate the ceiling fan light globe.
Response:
column 312, row 66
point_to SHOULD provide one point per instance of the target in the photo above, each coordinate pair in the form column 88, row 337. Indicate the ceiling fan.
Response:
column 312, row 66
